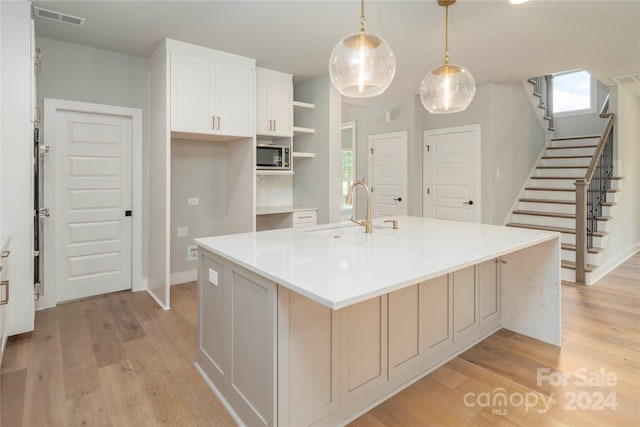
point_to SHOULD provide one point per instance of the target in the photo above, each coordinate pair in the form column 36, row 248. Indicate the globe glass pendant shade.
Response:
column 362, row 65
column 448, row 88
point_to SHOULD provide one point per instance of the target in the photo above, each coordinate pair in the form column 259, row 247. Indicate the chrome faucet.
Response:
column 366, row 223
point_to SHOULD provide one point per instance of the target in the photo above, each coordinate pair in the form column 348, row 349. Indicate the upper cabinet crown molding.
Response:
column 212, row 92
column 274, row 103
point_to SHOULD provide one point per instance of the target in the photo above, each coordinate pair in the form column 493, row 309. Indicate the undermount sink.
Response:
column 344, row 230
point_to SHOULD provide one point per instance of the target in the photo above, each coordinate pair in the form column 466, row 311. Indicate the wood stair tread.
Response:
column 571, row 138
column 556, row 214
column 551, row 228
column 572, row 266
column 541, row 213
column 572, row 147
column 572, row 190
column 559, row 202
column 558, row 177
column 566, row 157
column 569, row 247
column 562, row 167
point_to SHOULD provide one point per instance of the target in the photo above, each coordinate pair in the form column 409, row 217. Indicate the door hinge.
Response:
column 372, row 189
column 127, row 213
column 427, row 147
column 371, row 149
column 428, row 191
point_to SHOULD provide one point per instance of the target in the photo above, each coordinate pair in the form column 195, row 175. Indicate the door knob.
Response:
column 399, row 199
column 470, row 202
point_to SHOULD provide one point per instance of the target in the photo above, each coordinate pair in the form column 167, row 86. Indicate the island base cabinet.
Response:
column 237, row 337
column 276, row 357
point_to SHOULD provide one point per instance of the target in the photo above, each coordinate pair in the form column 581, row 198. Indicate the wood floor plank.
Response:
column 138, row 369
column 126, row 323
column 14, row 384
column 107, row 346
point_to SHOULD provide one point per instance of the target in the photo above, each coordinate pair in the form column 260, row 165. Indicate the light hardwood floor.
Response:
column 120, row 360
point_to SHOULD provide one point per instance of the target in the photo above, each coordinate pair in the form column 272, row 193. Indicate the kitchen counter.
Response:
column 353, row 267
column 315, row 326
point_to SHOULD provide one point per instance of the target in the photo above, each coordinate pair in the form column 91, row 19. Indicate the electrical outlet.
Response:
column 213, row 277
column 192, row 253
column 193, row 201
column 183, row 231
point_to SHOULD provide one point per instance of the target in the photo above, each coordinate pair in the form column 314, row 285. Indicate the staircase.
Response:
column 548, row 200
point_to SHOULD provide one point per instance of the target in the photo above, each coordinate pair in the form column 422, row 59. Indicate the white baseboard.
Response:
column 184, row 277
column 610, row 265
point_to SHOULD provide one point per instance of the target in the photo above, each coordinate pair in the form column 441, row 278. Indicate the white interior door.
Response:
column 388, row 174
column 92, row 195
column 451, row 163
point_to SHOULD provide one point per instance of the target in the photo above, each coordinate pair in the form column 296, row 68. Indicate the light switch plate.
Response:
column 193, row 201
column 213, row 277
column 183, row 231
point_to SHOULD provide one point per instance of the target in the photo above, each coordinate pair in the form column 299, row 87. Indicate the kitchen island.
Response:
column 317, row 326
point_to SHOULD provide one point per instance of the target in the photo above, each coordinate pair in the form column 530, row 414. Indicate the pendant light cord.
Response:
column 446, row 35
column 362, row 16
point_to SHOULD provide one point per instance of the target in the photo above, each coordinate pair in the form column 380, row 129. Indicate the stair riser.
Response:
column 593, row 259
column 544, row 220
column 557, row 208
column 575, row 142
column 552, row 183
column 598, row 242
column 570, row 152
column 547, row 207
column 565, row 162
column 553, row 195
column 561, row 172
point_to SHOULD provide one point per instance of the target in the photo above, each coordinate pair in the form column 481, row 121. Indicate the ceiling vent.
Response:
column 629, row 78
column 52, row 15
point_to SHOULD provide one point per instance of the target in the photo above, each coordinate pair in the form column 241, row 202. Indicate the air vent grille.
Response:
column 629, row 78
column 58, row 17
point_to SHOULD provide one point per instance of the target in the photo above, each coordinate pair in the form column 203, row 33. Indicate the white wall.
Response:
column 198, row 169
column 370, row 120
column 317, row 182
column 80, row 73
column 512, row 140
column 624, row 238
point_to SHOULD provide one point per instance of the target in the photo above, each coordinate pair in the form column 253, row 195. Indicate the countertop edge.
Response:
column 337, row 305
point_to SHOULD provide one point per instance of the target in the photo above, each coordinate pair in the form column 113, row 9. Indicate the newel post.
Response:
column 581, row 230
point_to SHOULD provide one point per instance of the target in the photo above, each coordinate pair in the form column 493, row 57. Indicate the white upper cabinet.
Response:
column 274, row 103
column 211, row 95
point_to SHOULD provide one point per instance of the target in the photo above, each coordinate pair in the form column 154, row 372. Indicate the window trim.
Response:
column 594, row 97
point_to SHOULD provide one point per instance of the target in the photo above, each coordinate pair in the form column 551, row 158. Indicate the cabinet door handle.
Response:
column 470, row 202
column 304, row 217
column 5, row 284
column 5, row 254
column 274, row 125
column 218, row 123
column 213, row 122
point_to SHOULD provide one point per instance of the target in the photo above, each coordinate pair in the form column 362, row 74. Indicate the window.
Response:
column 574, row 92
column 348, row 164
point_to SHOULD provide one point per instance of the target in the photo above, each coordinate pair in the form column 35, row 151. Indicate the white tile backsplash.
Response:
column 274, row 190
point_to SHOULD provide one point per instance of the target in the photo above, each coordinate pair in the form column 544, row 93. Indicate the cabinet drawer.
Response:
column 305, row 218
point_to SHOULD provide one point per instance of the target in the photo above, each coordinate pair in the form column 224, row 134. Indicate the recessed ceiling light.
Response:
column 518, row 1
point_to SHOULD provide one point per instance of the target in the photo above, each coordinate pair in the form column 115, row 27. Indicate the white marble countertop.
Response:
column 341, row 271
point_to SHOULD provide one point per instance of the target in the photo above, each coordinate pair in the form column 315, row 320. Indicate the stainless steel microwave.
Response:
column 276, row 157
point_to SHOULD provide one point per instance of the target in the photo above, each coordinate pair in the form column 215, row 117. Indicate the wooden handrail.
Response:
column 604, row 111
column 596, row 156
column 581, row 198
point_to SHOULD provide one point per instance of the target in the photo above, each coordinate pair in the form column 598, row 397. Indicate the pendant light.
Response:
column 448, row 88
column 362, row 65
